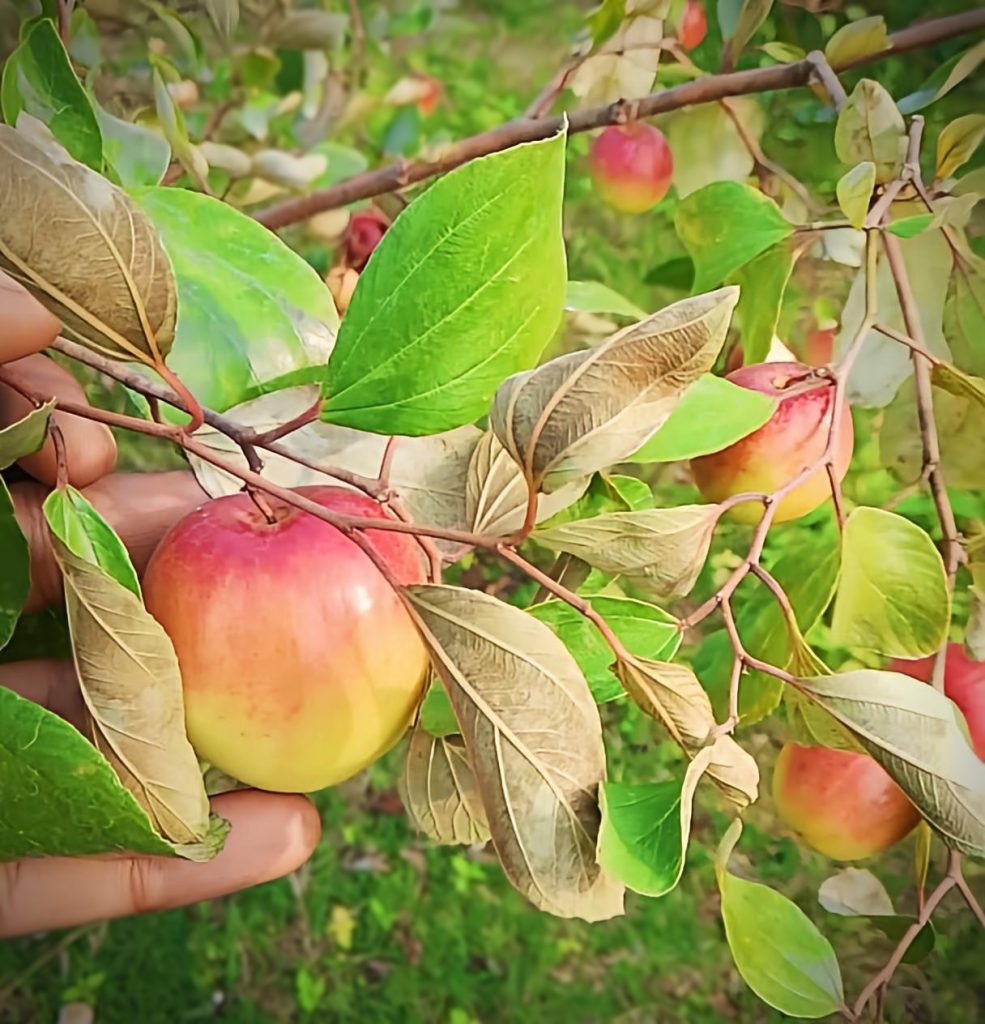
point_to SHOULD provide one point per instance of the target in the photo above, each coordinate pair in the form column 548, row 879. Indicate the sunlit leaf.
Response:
column 871, row 128
column 595, row 297
column 893, row 595
column 534, row 740
column 94, row 259
column 438, row 789
column 854, row 191
column 957, row 142
column 587, row 410
column 856, row 41
column 854, row 892
column 626, row 63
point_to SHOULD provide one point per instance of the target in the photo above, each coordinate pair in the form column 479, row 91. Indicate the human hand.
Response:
column 272, row 834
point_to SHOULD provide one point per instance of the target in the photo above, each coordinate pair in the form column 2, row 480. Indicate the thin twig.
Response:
column 708, row 89
column 61, row 456
column 825, row 74
column 310, row 415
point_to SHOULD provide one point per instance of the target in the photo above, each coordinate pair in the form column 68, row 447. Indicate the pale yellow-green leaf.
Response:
column 534, row 739
column 707, row 145
column 856, row 41
column 626, row 64
column 131, row 685
column 81, row 246
column 672, row 695
column 854, row 892
column 951, row 379
column 438, row 790
column 870, row 127
column 892, row 597
column 660, row 550
column 25, row 436
column 957, row 142
column 587, row 410
column 854, row 190
column 918, row 736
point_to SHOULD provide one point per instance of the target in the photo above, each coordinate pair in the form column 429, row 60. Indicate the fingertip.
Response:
column 25, row 325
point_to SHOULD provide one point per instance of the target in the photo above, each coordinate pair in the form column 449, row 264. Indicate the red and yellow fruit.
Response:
column 842, row 804
column 693, row 26
column 964, row 683
column 300, row 664
column 631, row 166
column 793, row 439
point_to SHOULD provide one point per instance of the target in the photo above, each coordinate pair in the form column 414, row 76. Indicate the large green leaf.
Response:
column 465, row 288
column 38, row 79
column 60, row 796
column 779, row 952
column 870, row 128
column 646, row 630
column 253, row 316
column 15, row 579
column 724, row 226
column 712, row 414
column 893, row 595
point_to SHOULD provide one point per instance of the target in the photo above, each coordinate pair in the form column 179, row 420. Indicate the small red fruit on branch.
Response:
column 693, row 26
column 842, row 803
column 299, row 662
column 792, row 439
column 362, row 236
column 631, row 166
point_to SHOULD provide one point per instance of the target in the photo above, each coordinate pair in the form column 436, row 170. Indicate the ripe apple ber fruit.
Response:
column 819, row 346
column 842, row 804
column 362, row 236
column 693, row 25
column 300, row 665
column 793, row 438
column 631, row 166
column 964, row 683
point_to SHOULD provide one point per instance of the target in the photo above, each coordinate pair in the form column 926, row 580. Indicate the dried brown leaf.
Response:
column 84, row 248
column 672, row 694
column 587, row 410
column 534, row 740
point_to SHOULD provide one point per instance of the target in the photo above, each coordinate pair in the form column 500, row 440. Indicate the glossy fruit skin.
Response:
column 964, row 683
column 792, row 439
column 300, row 665
column 693, row 25
column 631, row 166
column 841, row 803
column 362, row 236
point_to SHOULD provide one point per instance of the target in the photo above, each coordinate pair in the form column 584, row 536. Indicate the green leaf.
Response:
column 784, row 53
column 871, row 128
column 88, row 536
column 907, row 227
column 951, row 379
column 957, row 143
column 751, row 16
column 950, row 74
column 725, row 225
column 25, row 436
column 856, row 41
column 60, row 796
column 595, row 297
column 645, row 829
column 15, row 580
column 605, row 493
column 465, row 288
column 253, row 316
column 779, row 952
column 644, row 629
column 854, row 191
column 38, row 80
column 437, row 715
column 172, row 122
column 137, row 155
column 920, row 737
column 893, row 595
column 712, row 414
column 964, row 316
column 763, row 281
column 605, row 19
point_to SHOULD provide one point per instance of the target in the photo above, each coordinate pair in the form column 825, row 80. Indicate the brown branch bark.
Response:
column 703, row 90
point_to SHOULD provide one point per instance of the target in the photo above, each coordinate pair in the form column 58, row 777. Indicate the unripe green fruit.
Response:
column 300, row 664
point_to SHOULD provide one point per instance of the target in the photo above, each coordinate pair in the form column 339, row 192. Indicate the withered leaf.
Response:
column 587, row 410
column 672, row 694
column 84, row 249
column 438, row 790
column 132, row 689
column 661, row 550
column 534, row 739
column 496, row 491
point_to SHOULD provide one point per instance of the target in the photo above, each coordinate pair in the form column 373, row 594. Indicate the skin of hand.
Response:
column 272, row 834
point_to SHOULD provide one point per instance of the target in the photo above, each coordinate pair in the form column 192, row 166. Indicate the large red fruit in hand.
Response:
column 843, row 804
column 300, row 664
column 964, row 683
column 792, row 439
column 693, row 26
column 631, row 166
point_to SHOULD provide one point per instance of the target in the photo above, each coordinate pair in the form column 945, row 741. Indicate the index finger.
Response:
column 25, row 325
